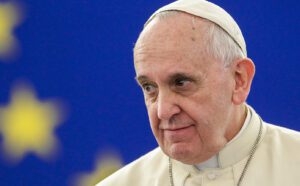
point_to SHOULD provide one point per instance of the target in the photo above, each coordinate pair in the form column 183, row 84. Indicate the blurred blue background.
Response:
column 80, row 52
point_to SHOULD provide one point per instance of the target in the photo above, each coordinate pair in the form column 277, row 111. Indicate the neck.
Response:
column 237, row 122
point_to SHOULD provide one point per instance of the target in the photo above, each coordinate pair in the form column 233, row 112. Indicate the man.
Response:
column 191, row 63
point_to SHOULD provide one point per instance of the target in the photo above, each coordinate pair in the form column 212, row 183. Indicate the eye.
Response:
column 181, row 82
column 149, row 88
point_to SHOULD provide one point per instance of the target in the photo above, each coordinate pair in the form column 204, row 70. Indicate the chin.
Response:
column 182, row 153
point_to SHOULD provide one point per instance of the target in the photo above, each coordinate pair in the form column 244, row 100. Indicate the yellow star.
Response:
column 27, row 125
column 9, row 18
column 104, row 167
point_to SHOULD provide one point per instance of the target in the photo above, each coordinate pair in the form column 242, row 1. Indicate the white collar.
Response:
column 232, row 153
column 213, row 161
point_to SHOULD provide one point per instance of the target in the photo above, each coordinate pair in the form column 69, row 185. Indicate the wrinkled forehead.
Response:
column 173, row 28
column 171, row 44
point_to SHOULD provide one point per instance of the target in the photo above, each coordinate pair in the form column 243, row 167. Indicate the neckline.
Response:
column 227, row 156
column 244, row 171
column 213, row 162
column 242, row 144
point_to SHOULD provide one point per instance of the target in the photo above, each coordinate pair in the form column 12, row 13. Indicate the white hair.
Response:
column 220, row 45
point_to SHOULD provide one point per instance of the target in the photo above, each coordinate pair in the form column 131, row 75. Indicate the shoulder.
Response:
column 285, row 140
column 282, row 133
column 143, row 168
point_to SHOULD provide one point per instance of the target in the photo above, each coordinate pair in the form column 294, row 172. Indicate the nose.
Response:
column 167, row 105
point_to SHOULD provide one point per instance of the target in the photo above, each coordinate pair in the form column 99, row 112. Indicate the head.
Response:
column 195, row 80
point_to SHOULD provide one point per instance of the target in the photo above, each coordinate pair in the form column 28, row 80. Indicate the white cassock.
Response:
column 276, row 162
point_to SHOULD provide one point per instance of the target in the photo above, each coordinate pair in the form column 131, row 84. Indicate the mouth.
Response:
column 179, row 133
column 178, row 128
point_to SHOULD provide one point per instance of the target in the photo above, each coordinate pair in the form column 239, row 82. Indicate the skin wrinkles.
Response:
column 186, row 82
column 189, row 95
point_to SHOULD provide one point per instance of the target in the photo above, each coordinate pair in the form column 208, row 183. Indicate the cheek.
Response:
column 203, row 109
column 153, row 119
column 198, row 107
column 154, row 124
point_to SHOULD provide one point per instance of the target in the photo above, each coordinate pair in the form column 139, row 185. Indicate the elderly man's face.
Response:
column 188, row 93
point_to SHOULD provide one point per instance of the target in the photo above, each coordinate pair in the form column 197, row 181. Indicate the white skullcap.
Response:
column 211, row 12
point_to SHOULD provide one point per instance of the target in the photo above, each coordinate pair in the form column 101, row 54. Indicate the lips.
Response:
column 178, row 128
column 179, row 133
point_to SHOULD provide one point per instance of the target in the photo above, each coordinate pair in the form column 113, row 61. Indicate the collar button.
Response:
column 211, row 176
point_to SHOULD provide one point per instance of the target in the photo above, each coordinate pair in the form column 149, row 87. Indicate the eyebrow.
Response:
column 170, row 79
column 181, row 75
column 140, row 79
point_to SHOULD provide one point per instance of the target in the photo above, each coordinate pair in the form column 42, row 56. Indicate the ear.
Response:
column 244, row 70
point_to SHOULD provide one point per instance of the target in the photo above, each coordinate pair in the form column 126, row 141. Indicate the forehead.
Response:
column 173, row 29
column 173, row 43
